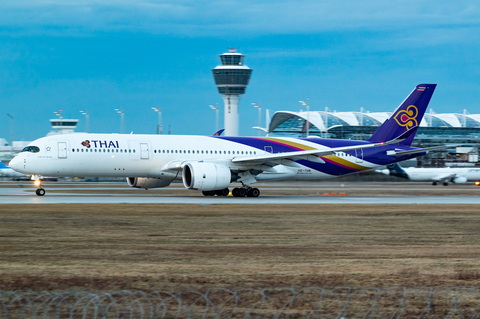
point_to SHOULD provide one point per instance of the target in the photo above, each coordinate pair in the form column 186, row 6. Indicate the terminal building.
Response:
column 435, row 129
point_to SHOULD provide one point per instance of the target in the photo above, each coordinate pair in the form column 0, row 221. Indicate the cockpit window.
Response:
column 33, row 149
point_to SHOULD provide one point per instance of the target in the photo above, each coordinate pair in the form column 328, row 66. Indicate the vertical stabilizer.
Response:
column 409, row 114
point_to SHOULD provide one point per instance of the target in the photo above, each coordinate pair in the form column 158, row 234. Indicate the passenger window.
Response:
column 82, row 150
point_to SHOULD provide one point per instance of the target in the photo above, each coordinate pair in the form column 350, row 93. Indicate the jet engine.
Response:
column 147, row 182
column 206, row 176
column 460, row 180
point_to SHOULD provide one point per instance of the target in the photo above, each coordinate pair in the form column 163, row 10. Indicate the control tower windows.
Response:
column 232, row 76
column 232, row 59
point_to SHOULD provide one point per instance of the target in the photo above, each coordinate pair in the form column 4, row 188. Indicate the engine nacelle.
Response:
column 460, row 180
column 147, row 182
column 206, row 176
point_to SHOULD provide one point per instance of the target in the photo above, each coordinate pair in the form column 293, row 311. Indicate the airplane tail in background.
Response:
column 396, row 170
column 408, row 115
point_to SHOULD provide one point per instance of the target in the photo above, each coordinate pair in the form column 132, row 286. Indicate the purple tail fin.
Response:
column 409, row 114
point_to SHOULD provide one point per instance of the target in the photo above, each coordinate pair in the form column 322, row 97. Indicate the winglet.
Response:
column 219, row 132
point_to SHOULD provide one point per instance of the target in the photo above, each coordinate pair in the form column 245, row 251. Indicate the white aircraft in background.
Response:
column 444, row 175
column 210, row 163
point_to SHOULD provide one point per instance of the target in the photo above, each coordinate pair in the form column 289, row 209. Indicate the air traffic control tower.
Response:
column 231, row 79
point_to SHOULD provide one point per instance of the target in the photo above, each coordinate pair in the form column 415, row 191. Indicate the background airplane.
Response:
column 444, row 175
column 6, row 171
column 211, row 163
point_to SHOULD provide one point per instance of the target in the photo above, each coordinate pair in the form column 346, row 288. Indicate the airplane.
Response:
column 6, row 171
column 211, row 163
column 445, row 175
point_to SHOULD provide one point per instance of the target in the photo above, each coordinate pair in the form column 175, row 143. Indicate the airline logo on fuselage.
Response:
column 100, row 144
column 408, row 117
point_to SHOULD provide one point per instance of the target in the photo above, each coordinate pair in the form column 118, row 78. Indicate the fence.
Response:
column 312, row 302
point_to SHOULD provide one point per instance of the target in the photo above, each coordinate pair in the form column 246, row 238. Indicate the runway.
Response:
column 76, row 193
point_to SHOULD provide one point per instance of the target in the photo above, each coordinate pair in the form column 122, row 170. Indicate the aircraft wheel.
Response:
column 238, row 192
column 222, row 192
column 434, row 183
column 40, row 192
column 445, row 184
column 253, row 192
column 208, row 193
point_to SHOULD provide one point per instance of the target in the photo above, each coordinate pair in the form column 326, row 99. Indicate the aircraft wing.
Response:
column 444, row 177
column 311, row 155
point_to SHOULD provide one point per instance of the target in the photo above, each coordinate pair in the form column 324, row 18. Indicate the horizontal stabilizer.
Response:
column 420, row 150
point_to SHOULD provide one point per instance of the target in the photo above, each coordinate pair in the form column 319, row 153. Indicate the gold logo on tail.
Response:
column 408, row 117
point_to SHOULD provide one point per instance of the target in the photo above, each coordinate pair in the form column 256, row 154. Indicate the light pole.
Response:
column 308, row 115
column 12, row 130
column 259, row 116
column 122, row 120
column 216, row 115
column 159, row 126
column 87, row 120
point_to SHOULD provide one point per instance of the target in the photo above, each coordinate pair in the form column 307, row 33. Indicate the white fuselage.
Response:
column 128, row 155
column 440, row 174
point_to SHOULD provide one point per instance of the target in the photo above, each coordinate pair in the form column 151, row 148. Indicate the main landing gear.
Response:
column 245, row 191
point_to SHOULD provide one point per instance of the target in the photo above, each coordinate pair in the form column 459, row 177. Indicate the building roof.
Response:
column 323, row 121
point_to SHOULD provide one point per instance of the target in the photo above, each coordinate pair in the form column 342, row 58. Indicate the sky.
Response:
column 97, row 56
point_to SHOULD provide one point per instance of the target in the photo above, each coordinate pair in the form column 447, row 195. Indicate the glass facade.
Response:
column 228, row 59
column 64, row 123
column 232, row 76
column 231, row 90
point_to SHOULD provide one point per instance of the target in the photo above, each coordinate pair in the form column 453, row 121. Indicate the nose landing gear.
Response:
column 38, row 182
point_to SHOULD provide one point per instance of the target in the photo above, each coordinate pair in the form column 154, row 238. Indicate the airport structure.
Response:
column 435, row 129
column 231, row 79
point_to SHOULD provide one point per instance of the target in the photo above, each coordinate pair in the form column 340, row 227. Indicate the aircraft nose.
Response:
column 14, row 163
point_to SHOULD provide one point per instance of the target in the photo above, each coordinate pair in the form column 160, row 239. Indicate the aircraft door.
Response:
column 268, row 149
column 359, row 156
column 62, row 149
column 144, row 152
